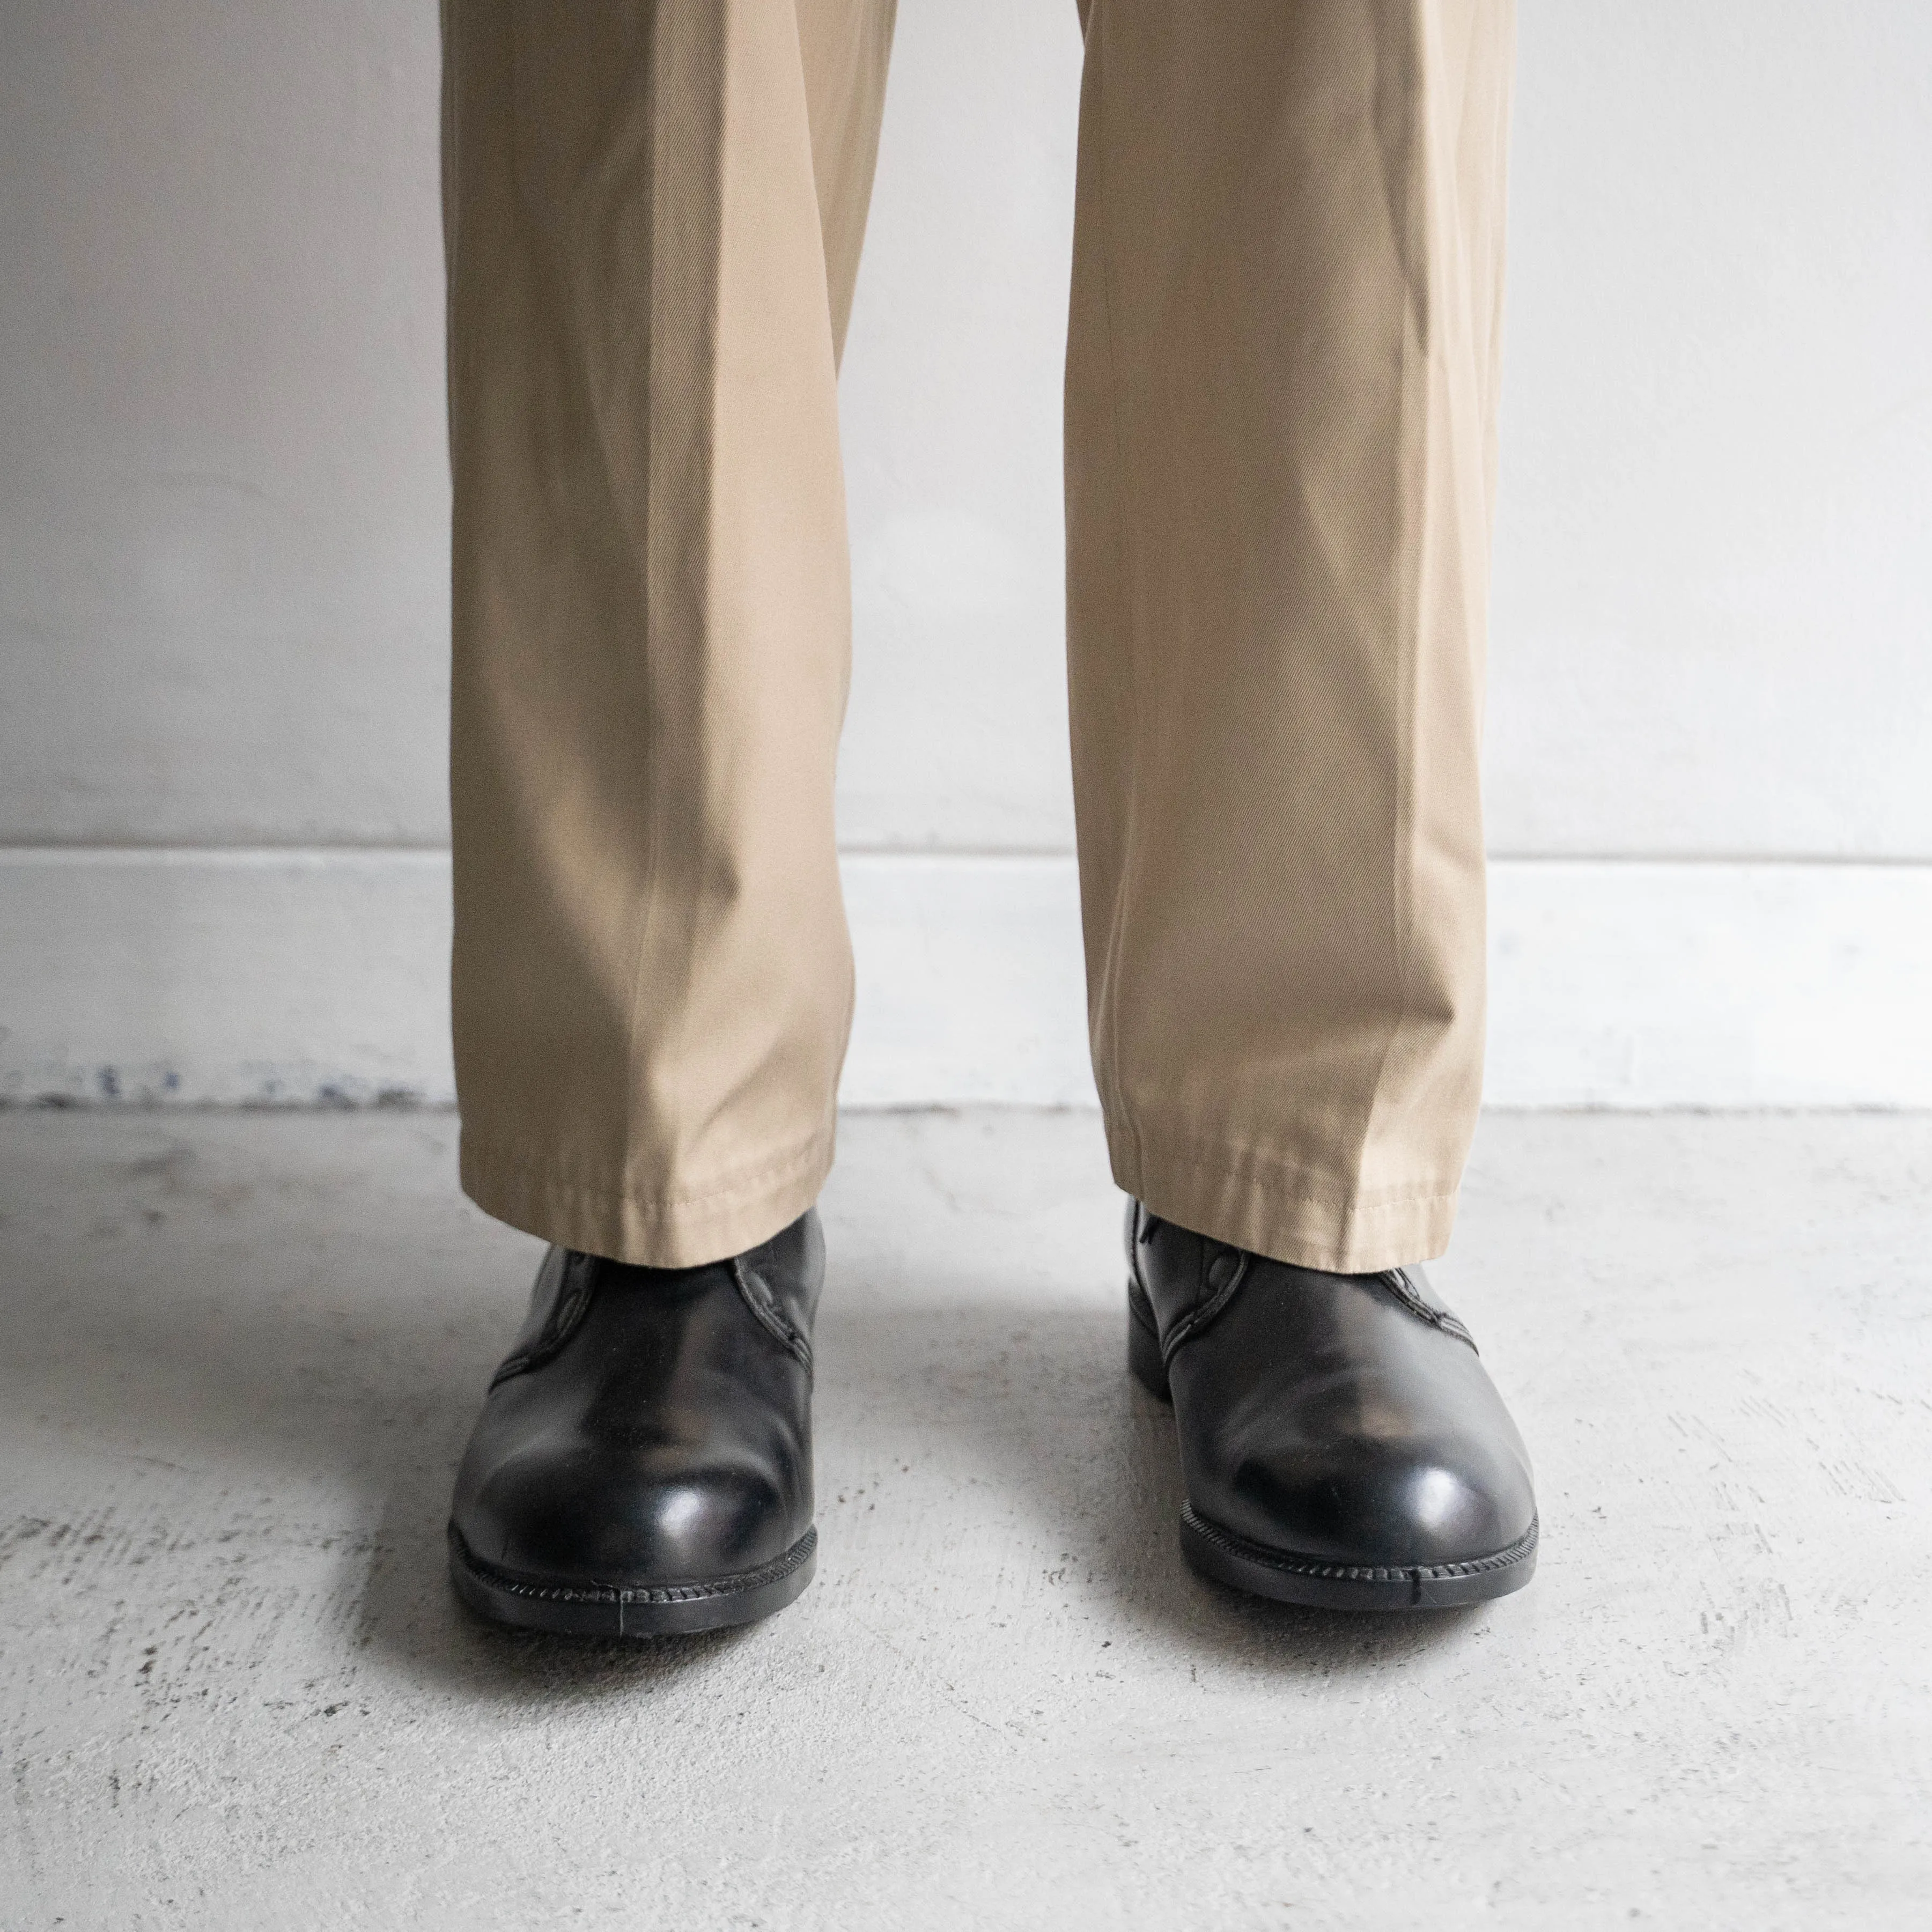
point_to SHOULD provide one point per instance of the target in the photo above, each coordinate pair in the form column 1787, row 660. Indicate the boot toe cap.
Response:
column 630, row 1519
column 1373, row 1505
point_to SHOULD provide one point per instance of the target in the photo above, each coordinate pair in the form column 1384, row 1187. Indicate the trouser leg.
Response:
column 1280, row 397
column 652, row 214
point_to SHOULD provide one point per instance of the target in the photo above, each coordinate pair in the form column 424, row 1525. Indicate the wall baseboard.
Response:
column 319, row 976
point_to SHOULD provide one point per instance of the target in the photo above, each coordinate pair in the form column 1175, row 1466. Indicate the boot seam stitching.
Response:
column 1197, row 1320
column 1403, row 1291
column 769, row 1316
column 565, row 1319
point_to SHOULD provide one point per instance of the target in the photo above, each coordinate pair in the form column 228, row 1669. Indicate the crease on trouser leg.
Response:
column 651, row 978
column 1280, row 452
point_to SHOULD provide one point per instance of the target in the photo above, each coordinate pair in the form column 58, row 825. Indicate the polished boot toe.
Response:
column 554, row 1511
column 643, row 1462
column 1342, row 1444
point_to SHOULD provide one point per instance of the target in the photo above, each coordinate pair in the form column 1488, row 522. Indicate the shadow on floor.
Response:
column 236, row 1385
column 1037, row 1405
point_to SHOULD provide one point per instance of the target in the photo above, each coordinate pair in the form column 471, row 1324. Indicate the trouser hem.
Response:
column 685, row 1227
column 1277, row 1209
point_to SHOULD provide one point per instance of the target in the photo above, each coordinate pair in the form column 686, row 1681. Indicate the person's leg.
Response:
column 1281, row 386
column 653, row 214
column 1280, row 397
column 653, row 210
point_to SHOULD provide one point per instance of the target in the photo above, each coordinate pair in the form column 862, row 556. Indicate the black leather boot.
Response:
column 643, row 1463
column 1341, row 1444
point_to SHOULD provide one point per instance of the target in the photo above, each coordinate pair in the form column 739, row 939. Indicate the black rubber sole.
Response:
column 1280, row 1574
column 1218, row 1553
column 573, row 1610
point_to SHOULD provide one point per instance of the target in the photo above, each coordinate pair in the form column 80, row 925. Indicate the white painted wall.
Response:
column 222, row 503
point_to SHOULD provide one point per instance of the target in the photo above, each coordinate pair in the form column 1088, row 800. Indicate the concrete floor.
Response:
column 242, row 1352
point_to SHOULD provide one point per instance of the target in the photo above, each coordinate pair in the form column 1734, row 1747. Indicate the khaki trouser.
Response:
column 1280, row 396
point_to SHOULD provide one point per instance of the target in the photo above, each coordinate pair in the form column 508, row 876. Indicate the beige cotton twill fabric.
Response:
column 1281, row 381
column 651, row 981
column 1281, row 387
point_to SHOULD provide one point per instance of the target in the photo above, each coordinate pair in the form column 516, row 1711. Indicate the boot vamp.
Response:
column 1320, row 1417
column 668, row 1441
